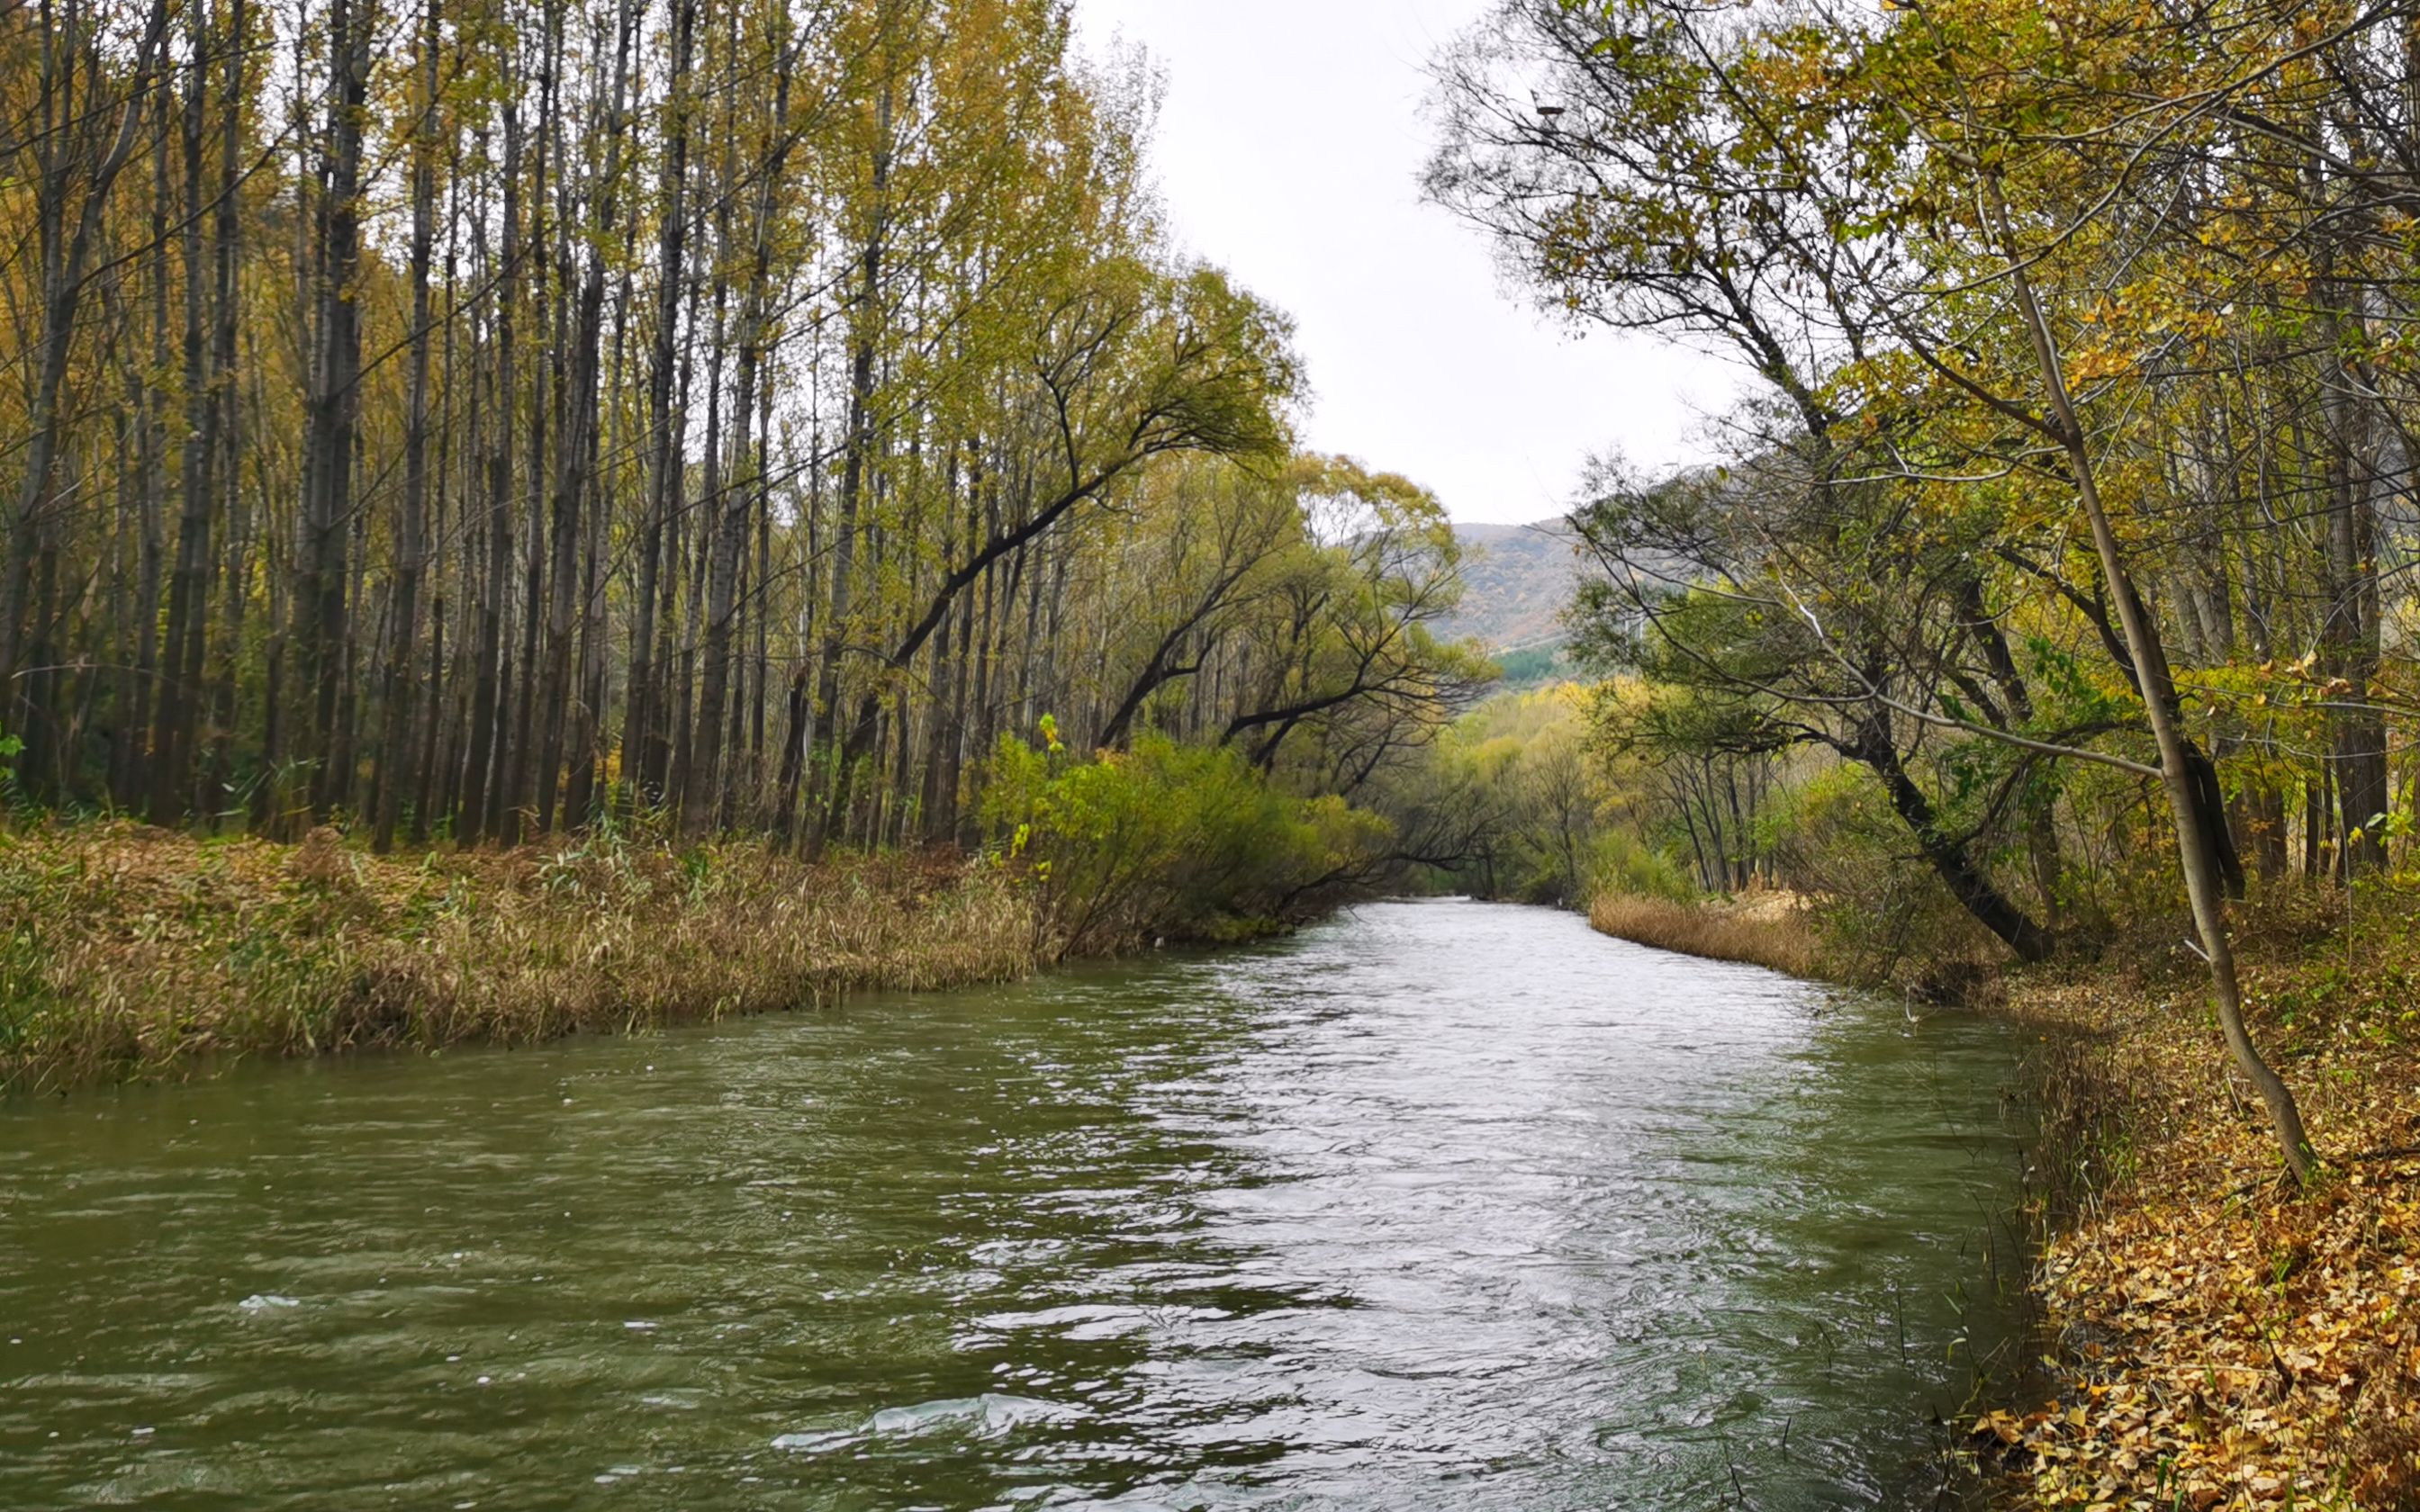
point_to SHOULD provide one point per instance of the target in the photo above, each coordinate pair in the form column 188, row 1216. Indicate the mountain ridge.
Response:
column 1517, row 580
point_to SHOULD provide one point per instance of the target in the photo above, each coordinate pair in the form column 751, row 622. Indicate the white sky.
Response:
column 1289, row 151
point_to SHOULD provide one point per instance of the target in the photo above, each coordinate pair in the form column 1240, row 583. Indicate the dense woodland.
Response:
column 2062, row 539
column 471, row 419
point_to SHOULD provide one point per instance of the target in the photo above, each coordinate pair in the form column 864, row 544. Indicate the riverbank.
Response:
column 2212, row 1339
column 127, row 951
column 1765, row 929
column 2218, row 1339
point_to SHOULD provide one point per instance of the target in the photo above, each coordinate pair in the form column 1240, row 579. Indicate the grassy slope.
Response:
column 132, row 951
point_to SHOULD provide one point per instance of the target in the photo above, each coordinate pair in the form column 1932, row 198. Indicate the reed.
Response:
column 134, row 952
column 1765, row 930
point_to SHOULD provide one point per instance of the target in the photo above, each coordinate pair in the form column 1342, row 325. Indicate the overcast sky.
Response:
column 1289, row 151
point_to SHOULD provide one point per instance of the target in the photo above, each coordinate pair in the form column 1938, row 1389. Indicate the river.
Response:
column 1441, row 1204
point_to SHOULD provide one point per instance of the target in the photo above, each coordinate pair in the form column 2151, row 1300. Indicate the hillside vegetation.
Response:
column 1519, row 580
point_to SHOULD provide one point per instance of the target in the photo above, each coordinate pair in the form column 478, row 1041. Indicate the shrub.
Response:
column 1169, row 839
column 1620, row 862
column 1882, row 912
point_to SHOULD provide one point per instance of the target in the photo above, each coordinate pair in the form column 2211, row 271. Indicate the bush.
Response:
column 1880, row 909
column 1621, row 863
column 1169, row 841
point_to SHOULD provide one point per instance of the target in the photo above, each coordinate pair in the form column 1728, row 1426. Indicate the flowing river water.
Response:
column 1441, row 1204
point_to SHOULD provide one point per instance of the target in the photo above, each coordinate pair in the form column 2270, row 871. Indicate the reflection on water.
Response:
column 1441, row 1205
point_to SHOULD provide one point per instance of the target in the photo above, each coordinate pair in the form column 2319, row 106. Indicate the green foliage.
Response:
column 1878, row 907
column 10, row 749
column 1518, row 800
column 1621, row 862
column 1533, row 666
column 1170, row 841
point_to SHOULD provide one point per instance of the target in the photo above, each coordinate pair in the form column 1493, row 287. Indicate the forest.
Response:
column 2066, row 507
column 480, row 420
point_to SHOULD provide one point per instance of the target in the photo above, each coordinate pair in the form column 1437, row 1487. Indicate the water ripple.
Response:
column 1442, row 1205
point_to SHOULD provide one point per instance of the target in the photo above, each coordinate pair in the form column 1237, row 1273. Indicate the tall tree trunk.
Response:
column 319, row 630
column 180, row 655
column 65, row 254
column 855, row 459
column 518, row 794
column 2204, row 881
column 481, row 808
column 644, row 757
column 2351, row 640
column 150, row 480
column 732, row 511
column 433, row 763
column 395, row 763
column 576, row 440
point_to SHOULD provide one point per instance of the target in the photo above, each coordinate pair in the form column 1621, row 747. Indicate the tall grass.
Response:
column 127, row 951
column 1766, row 931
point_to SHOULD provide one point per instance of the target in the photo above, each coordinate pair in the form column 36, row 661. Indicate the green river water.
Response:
column 1439, row 1205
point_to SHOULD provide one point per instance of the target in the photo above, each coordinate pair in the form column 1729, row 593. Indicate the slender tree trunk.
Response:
column 2204, row 883
column 65, row 256
column 2351, row 637
column 710, row 783
column 575, row 439
column 320, row 629
column 150, row 480
column 856, row 458
column 643, row 748
column 180, row 656
column 395, row 765
column 432, row 764
column 481, row 808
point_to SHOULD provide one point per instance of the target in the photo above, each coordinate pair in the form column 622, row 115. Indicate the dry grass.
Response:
column 1769, row 929
column 127, row 951
column 2219, row 1341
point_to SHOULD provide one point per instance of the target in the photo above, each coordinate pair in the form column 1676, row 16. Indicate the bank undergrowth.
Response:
column 1168, row 841
column 2211, row 1339
column 128, row 951
column 2215, row 1338
column 1763, row 929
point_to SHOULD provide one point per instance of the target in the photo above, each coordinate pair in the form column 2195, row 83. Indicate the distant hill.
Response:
column 1517, row 580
